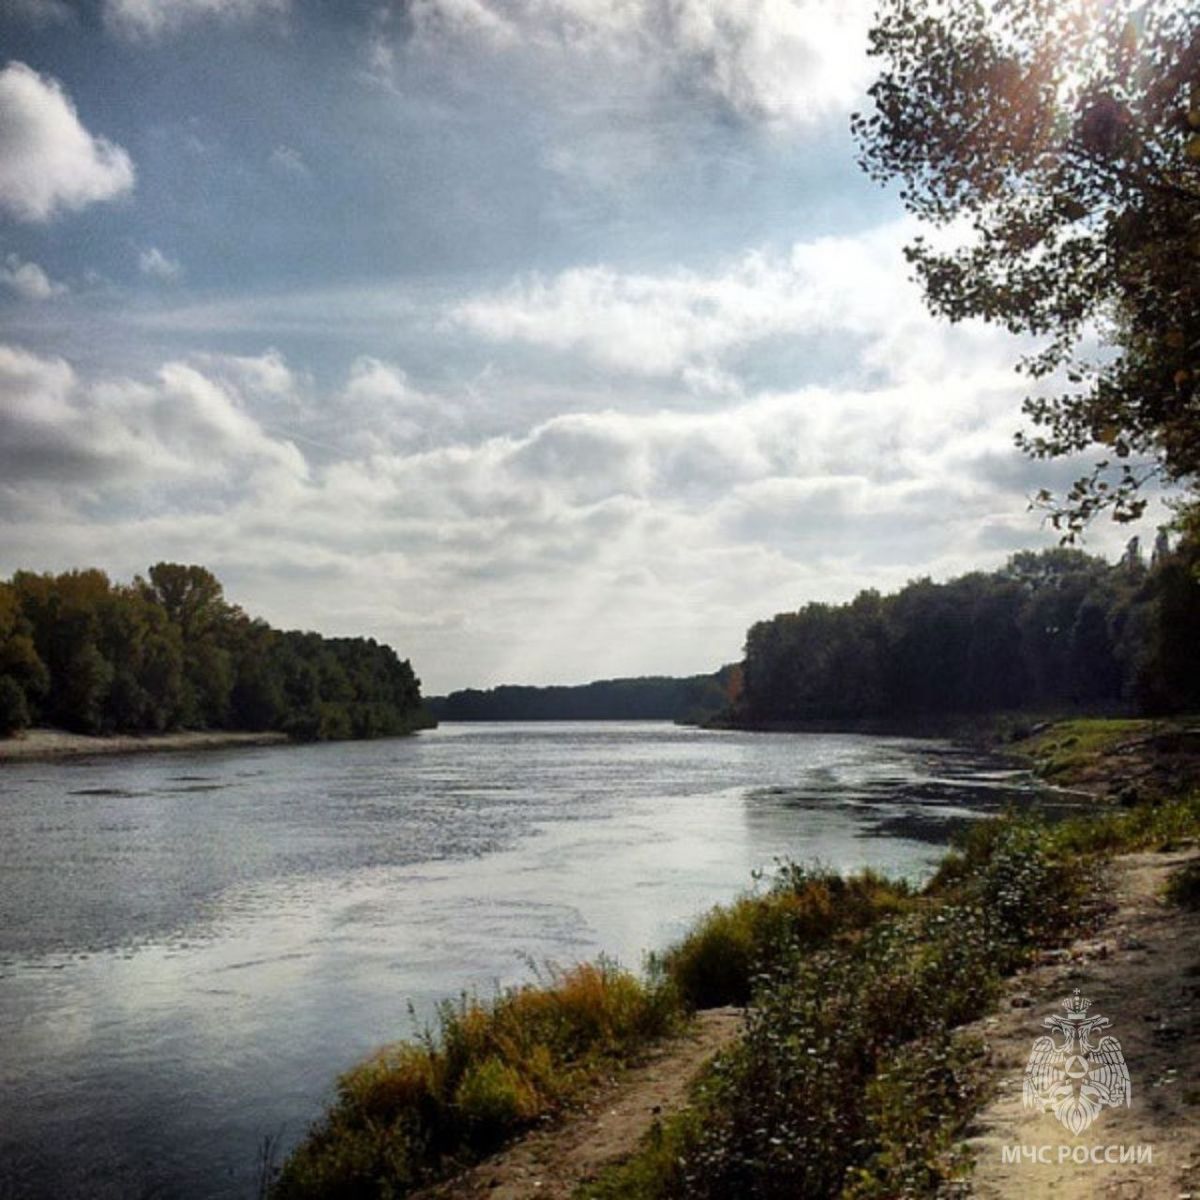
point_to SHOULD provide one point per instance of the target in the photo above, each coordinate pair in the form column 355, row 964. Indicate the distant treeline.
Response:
column 168, row 652
column 1048, row 630
column 654, row 697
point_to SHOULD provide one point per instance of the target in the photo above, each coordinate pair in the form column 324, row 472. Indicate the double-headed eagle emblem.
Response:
column 1075, row 1079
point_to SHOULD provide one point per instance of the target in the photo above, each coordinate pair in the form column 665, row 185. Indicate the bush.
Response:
column 415, row 1110
column 14, row 711
column 849, row 1081
column 735, row 945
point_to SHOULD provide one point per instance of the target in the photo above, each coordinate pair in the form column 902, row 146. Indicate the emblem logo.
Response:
column 1075, row 1078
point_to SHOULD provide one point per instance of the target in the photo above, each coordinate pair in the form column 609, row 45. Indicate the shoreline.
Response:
column 1056, row 894
column 51, row 745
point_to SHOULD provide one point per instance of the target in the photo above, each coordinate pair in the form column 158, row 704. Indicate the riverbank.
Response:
column 44, row 745
column 858, row 1073
column 991, row 730
column 935, row 1113
column 1129, row 967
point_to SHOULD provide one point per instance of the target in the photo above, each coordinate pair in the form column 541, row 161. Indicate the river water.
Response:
column 192, row 946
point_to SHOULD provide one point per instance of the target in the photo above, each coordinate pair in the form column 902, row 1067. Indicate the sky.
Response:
column 545, row 340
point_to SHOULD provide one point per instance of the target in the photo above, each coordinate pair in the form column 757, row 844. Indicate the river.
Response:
column 193, row 945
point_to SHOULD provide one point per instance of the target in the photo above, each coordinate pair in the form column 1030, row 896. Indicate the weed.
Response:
column 415, row 1110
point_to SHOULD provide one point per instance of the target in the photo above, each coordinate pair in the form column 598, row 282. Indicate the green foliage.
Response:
column 170, row 651
column 734, row 946
column 415, row 1110
column 1052, row 630
column 914, row 1107
column 14, row 711
column 850, row 1082
column 23, row 676
column 1062, row 141
column 1152, row 825
column 87, row 688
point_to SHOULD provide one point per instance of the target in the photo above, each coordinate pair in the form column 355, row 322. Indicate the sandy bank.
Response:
column 41, row 744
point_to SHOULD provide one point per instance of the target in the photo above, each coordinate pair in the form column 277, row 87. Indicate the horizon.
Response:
column 556, row 341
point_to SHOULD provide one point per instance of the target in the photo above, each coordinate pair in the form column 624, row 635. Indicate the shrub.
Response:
column 849, row 1081
column 735, row 945
column 14, row 711
column 413, row 1111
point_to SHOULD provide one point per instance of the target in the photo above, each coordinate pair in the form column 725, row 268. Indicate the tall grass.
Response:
column 735, row 945
column 417, row 1109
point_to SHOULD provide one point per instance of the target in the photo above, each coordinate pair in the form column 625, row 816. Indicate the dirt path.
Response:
column 549, row 1164
column 1142, row 971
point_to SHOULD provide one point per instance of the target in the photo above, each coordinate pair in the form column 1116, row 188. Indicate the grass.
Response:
column 416, row 1110
column 1069, row 746
column 733, row 945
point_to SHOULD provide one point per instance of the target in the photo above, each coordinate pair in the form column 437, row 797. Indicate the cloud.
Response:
column 28, row 280
column 602, row 541
column 48, row 161
column 181, row 428
column 464, row 19
column 851, row 292
column 260, row 375
column 784, row 61
column 289, row 161
column 154, row 263
column 155, row 18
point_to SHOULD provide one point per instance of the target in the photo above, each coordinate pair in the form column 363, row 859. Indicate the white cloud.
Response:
column 689, row 324
column 154, row 263
column 28, row 280
column 181, row 428
column 464, row 18
column 48, row 161
column 788, row 61
column 154, row 18
column 380, row 411
column 263, row 375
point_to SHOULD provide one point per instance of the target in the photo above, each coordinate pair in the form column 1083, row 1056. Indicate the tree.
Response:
column 19, row 659
column 14, row 712
column 192, row 596
column 89, row 677
column 1062, row 141
column 153, row 655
